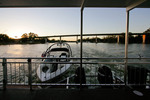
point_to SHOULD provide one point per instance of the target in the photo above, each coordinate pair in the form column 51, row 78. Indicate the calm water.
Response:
column 89, row 50
column 19, row 72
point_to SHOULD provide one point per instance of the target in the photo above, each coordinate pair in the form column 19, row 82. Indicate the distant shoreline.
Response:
column 32, row 38
column 68, row 42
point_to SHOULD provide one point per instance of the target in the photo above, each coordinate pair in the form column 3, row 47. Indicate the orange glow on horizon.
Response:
column 144, row 37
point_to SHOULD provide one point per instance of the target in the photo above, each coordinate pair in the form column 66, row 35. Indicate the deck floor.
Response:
column 72, row 94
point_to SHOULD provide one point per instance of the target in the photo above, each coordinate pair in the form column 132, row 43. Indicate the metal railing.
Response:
column 21, row 71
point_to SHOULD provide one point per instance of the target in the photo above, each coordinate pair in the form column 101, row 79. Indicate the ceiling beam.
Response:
column 134, row 4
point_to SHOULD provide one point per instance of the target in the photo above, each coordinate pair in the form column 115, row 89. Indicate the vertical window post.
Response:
column 126, row 46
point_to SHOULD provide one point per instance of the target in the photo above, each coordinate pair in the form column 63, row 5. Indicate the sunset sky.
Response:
column 60, row 21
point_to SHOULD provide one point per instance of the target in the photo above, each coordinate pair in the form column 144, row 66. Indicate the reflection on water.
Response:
column 22, row 50
column 14, row 50
column 19, row 72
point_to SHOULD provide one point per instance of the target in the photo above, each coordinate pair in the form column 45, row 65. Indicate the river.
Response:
column 89, row 50
column 18, row 73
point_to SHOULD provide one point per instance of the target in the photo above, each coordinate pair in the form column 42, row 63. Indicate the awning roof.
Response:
column 71, row 3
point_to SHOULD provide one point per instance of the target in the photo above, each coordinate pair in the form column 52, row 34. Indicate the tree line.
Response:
column 113, row 38
column 26, row 38
column 33, row 38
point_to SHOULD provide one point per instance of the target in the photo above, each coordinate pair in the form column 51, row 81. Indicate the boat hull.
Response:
column 49, row 76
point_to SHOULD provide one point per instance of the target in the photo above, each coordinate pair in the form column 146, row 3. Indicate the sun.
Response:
column 14, row 35
column 16, row 31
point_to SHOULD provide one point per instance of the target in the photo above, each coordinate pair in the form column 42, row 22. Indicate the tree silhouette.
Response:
column 28, row 37
column 25, row 35
column 4, row 37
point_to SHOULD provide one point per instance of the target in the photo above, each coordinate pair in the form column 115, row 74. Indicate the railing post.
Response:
column 77, row 39
column 118, row 39
column 30, row 73
column 60, row 39
column 4, row 73
column 96, row 39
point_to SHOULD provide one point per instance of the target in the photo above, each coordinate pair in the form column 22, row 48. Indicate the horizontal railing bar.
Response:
column 138, row 84
column 62, row 84
column 138, row 63
column 51, row 84
column 23, row 84
column 83, row 62
column 79, row 84
column 73, row 58
column 71, row 62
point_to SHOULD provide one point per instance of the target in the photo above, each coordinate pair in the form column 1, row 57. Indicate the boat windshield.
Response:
column 60, row 49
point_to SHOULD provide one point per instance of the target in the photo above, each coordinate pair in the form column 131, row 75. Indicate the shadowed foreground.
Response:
column 72, row 94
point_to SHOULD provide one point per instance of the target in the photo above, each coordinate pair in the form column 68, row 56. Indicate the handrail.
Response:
column 75, row 58
column 30, row 60
column 84, row 62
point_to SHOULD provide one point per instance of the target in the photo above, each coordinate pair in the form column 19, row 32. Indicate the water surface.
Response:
column 19, row 72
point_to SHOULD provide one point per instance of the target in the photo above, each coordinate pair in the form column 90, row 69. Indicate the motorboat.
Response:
column 55, row 61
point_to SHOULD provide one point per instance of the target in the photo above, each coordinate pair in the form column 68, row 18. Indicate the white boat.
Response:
column 52, row 69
